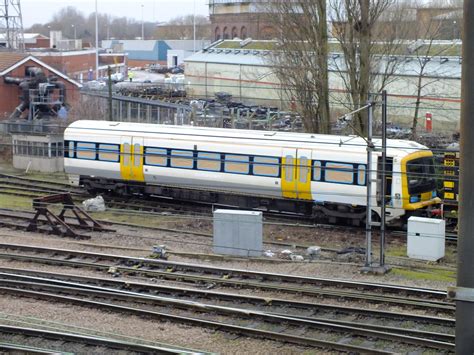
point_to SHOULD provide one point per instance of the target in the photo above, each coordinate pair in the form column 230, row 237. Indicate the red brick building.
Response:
column 32, row 40
column 78, row 63
column 241, row 18
column 72, row 63
column 15, row 66
column 36, row 40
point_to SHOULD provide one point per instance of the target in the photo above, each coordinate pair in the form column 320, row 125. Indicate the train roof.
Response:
column 269, row 137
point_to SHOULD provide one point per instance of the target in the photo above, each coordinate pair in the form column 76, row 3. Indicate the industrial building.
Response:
column 164, row 52
column 16, row 68
column 248, row 76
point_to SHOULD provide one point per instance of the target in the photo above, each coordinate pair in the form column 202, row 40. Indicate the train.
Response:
column 324, row 177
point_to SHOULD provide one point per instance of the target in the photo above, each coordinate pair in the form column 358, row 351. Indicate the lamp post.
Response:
column 454, row 30
column 143, row 25
column 75, row 34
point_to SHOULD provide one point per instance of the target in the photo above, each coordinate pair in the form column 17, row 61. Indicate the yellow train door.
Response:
column 296, row 174
column 303, row 174
column 131, row 159
column 288, row 173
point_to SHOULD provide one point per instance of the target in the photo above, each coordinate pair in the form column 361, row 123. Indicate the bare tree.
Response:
column 73, row 22
column 182, row 27
column 300, row 61
column 423, row 52
column 354, row 27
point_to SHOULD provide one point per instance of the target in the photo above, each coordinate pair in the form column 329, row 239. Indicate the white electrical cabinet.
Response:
column 238, row 233
column 426, row 238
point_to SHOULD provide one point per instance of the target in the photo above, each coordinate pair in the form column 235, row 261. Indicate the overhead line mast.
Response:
column 11, row 25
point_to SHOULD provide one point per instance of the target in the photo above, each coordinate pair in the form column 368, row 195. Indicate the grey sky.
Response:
column 41, row 11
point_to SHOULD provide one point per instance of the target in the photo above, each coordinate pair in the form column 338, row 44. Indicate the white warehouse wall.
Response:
column 255, row 83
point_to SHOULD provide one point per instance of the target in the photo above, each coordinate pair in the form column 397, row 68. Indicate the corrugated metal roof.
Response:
column 439, row 67
column 8, row 59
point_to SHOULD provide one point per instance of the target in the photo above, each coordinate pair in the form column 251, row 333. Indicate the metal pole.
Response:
column 368, row 223
column 465, row 279
column 194, row 28
column 96, row 43
column 143, row 25
column 109, row 74
column 383, row 189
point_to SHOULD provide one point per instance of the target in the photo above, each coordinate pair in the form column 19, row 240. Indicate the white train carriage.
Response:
column 321, row 175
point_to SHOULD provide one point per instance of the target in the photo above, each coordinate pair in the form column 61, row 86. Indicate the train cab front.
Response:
column 419, row 185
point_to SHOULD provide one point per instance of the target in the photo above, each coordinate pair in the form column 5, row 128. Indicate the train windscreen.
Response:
column 421, row 175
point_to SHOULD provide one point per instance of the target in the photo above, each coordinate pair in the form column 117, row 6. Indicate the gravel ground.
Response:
column 139, row 242
column 149, row 238
column 149, row 329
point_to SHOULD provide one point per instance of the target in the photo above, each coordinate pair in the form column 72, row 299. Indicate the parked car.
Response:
column 177, row 70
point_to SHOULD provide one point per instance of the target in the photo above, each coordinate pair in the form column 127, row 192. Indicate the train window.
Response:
column 71, row 150
column 182, row 159
column 303, row 170
column 361, row 175
column 126, row 154
column 109, row 152
column 265, row 166
column 86, row 150
column 317, row 172
column 209, row 161
column 339, row 173
column 289, row 168
column 156, row 156
column 137, row 154
column 238, row 164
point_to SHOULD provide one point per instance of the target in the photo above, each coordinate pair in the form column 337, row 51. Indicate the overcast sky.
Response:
column 40, row 11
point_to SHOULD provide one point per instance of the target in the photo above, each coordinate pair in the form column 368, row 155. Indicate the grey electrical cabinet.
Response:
column 238, row 233
column 426, row 238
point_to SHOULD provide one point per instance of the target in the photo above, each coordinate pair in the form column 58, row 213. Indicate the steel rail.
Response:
column 438, row 306
column 35, row 188
column 90, row 340
column 410, row 336
column 228, row 272
column 23, row 349
column 155, row 289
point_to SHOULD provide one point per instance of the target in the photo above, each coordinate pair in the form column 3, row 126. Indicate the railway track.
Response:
column 326, row 312
column 407, row 297
column 21, row 336
column 302, row 330
column 33, row 188
column 39, row 186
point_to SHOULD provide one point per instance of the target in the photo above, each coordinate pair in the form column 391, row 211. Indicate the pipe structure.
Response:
column 35, row 79
column 465, row 279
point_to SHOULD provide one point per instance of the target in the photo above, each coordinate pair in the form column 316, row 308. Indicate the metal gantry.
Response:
column 11, row 25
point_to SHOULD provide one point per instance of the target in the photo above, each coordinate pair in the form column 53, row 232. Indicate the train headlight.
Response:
column 397, row 196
